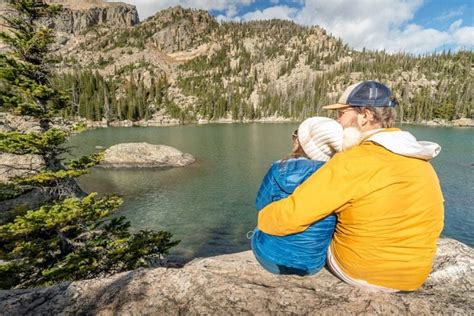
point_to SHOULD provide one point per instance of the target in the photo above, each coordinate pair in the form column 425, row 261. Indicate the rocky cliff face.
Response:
column 176, row 29
column 79, row 15
column 74, row 19
column 73, row 22
column 236, row 284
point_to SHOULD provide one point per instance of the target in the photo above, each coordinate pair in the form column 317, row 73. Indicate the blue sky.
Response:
column 415, row 26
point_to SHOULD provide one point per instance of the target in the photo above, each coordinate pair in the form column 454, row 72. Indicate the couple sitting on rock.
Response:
column 357, row 194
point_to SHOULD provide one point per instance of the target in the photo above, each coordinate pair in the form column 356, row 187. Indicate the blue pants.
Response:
column 301, row 254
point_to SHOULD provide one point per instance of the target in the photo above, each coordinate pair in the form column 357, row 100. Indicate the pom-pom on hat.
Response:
column 320, row 137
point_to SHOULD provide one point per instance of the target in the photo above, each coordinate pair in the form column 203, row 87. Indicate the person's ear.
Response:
column 362, row 118
column 365, row 117
column 369, row 115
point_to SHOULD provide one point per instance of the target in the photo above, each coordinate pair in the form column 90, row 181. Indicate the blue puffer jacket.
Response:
column 303, row 253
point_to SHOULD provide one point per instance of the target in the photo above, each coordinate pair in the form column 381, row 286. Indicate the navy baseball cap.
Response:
column 365, row 93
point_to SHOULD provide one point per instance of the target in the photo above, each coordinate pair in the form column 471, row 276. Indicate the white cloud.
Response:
column 464, row 37
column 147, row 8
column 459, row 11
column 374, row 24
column 455, row 25
column 362, row 23
column 276, row 12
column 231, row 11
column 416, row 39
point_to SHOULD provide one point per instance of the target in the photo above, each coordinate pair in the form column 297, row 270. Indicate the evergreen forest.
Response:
column 247, row 71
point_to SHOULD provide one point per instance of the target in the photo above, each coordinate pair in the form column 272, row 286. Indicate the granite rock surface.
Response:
column 236, row 284
column 144, row 155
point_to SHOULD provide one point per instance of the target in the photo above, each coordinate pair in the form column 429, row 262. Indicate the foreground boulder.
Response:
column 144, row 155
column 12, row 165
column 236, row 284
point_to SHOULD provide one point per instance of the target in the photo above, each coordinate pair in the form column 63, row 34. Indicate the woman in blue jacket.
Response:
column 315, row 141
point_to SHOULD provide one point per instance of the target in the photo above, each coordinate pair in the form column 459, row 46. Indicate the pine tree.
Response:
column 68, row 237
column 24, row 70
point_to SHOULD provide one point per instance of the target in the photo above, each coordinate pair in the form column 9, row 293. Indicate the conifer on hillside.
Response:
column 68, row 237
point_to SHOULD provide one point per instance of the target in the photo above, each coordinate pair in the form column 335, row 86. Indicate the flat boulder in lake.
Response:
column 144, row 155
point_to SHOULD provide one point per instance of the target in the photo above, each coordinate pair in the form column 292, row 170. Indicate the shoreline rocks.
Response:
column 144, row 155
column 236, row 284
column 26, row 124
column 462, row 122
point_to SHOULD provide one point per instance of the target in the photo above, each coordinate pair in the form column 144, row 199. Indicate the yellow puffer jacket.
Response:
column 389, row 207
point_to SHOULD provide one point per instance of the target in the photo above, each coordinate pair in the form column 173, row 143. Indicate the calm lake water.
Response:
column 209, row 205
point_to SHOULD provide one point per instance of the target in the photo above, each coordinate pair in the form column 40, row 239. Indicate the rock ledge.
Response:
column 235, row 284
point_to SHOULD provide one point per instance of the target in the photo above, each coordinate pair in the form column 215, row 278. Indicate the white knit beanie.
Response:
column 320, row 137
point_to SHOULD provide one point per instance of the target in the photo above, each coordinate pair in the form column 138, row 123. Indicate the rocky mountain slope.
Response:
column 236, row 284
column 80, row 15
column 182, row 63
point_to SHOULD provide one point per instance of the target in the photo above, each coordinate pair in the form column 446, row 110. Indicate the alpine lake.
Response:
column 209, row 205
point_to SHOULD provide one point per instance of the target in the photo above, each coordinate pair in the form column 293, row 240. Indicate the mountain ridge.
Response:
column 186, row 64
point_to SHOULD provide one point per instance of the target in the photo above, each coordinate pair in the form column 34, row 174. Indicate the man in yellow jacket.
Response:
column 385, row 193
